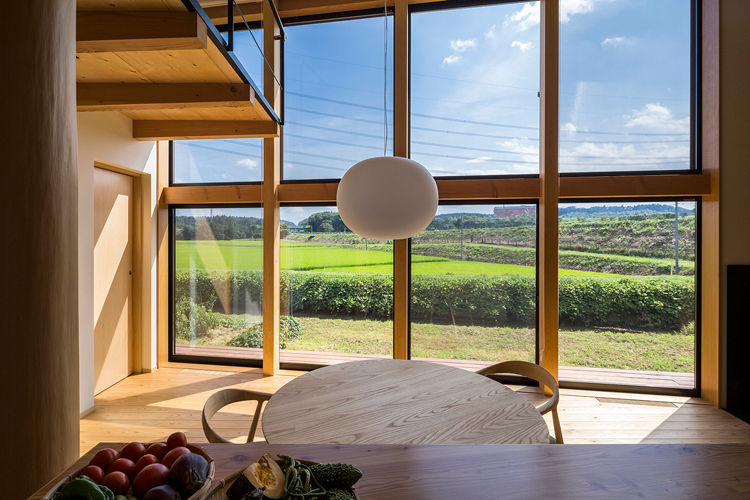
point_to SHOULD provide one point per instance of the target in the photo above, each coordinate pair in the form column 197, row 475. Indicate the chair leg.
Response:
column 256, row 419
column 558, row 428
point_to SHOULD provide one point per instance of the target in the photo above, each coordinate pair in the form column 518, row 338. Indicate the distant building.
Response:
column 505, row 212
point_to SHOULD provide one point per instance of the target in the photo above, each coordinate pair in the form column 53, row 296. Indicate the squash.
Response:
column 266, row 473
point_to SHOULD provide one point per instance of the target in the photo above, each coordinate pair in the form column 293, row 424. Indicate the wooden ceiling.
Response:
column 153, row 61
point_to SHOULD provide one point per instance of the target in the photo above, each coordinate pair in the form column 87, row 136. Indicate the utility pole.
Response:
column 461, row 230
column 676, row 239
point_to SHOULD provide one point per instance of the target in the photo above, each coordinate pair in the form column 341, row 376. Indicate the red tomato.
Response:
column 123, row 465
column 176, row 440
column 94, row 472
column 117, row 481
column 151, row 476
column 133, row 451
column 143, row 462
column 104, row 457
column 157, row 449
column 173, row 455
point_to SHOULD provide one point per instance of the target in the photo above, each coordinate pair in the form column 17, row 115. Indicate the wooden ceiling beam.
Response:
column 130, row 31
column 139, row 96
column 163, row 130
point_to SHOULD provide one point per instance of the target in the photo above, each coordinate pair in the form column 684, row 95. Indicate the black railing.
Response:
column 227, row 48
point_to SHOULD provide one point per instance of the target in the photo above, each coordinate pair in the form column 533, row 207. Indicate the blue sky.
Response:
column 624, row 93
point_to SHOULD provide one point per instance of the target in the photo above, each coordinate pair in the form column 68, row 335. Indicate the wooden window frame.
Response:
column 547, row 188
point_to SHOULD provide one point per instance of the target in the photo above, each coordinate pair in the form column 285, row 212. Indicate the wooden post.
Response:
column 271, row 180
column 39, row 195
column 550, row 189
column 162, row 248
column 401, row 148
column 711, row 284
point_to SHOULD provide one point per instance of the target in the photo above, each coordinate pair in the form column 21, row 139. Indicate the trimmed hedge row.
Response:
column 643, row 303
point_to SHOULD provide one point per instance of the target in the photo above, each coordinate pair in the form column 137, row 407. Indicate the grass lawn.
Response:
column 590, row 348
column 247, row 255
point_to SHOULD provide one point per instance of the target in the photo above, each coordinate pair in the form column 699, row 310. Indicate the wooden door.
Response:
column 113, row 269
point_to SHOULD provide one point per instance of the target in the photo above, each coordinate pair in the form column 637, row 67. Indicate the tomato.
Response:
column 117, row 481
column 157, row 449
column 142, row 462
column 151, row 476
column 104, row 457
column 173, row 455
column 133, row 451
column 176, row 440
column 123, row 465
column 94, row 472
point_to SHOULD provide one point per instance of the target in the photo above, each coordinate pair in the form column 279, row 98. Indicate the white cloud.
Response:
column 616, row 41
column 480, row 159
column 657, row 117
column 451, row 59
column 589, row 156
column 530, row 14
column 463, row 45
column 569, row 128
column 524, row 46
column 490, row 35
column 247, row 163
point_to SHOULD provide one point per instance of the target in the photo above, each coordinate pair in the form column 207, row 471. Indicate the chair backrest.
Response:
column 532, row 371
column 224, row 397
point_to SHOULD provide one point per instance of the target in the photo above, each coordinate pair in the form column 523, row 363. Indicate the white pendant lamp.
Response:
column 387, row 197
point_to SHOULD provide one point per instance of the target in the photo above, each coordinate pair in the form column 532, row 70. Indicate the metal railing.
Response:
column 227, row 48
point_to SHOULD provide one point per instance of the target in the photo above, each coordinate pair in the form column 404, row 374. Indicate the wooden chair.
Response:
column 534, row 372
column 225, row 397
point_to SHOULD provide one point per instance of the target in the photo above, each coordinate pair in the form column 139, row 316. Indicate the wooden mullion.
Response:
column 550, row 190
column 271, row 181
column 401, row 255
column 162, row 249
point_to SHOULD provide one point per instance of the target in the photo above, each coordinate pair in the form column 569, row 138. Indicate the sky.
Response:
column 624, row 93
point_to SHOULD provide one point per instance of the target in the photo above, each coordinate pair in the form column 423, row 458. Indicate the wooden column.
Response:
column 550, row 189
column 39, row 264
column 271, row 180
column 162, row 248
column 401, row 148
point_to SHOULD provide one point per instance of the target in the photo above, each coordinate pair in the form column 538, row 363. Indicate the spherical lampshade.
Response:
column 387, row 198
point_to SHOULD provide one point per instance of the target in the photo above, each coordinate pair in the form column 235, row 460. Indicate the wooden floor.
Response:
column 150, row 406
column 575, row 374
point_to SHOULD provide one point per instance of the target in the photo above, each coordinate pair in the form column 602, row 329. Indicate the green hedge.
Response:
column 644, row 303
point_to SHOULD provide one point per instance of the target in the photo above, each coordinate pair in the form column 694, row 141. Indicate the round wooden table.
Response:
column 389, row 401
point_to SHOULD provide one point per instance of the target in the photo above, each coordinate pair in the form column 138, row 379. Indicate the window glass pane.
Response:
column 218, row 282
column 217, row 160
column 625, row 85
column 629, row 316
column 334, row 96
column 474, row 84
column 225, row 160
column 473, row 286
column 337, row 290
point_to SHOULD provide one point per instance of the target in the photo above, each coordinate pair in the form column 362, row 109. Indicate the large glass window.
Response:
column 473, row 285
column 336, row 289
column 335, row 84
column 629, row 316
column 474, row 85
column 625, row 73
column 218, row 282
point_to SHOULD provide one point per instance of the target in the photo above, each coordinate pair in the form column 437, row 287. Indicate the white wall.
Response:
column 106, row 136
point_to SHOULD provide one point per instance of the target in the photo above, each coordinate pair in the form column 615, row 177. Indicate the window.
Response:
column 631, row 308
column 473, row 285
column 625, row 86
column 217, row 282
column 337, row 289
column 334, row 96
column 217, row 161
column 474, row 85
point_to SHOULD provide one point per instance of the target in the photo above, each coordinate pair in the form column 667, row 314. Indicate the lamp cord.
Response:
column 385, row 78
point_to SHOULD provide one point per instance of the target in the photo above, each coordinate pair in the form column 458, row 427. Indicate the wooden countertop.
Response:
column 513, row 471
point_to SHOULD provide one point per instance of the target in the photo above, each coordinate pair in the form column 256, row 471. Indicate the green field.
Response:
column 246, row 255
